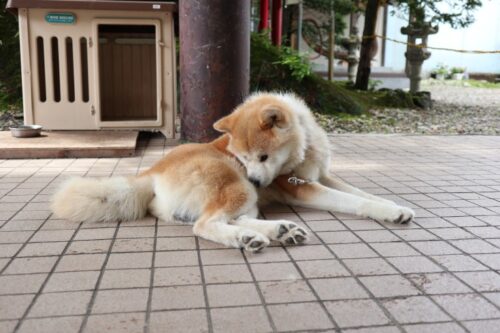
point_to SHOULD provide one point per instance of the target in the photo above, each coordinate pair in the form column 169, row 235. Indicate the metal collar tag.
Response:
column 297, row 181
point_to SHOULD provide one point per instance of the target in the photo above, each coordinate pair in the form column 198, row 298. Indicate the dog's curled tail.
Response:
column 106, row 199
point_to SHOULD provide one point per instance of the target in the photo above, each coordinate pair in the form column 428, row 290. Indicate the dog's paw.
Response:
column 252, row 241
column 289, row 233
column 400, row 215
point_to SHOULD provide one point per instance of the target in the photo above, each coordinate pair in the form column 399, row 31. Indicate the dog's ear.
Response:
column 224, row 125
column 272, row 116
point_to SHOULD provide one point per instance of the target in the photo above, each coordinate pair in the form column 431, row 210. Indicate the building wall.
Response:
column 483, row 34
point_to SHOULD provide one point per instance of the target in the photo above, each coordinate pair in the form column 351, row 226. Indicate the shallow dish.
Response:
column 25, row 131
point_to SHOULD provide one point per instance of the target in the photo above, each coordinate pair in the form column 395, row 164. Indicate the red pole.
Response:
column 264, row 15
column 277, row 22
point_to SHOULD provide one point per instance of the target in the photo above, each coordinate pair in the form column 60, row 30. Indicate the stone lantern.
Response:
column 416, row 53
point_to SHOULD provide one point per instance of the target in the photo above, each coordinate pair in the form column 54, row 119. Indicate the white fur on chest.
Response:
column 315, row 147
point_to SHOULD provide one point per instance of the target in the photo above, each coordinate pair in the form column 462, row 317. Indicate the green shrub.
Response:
column 441, row 69
column 282, row 69
column 457, row 70
column 299, row 66
column 10, row 63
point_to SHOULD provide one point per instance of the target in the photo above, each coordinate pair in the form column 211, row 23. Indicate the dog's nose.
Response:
column 254, row 181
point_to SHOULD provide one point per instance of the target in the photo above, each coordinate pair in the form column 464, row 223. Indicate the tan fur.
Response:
column 267, row 139
column 250, row 124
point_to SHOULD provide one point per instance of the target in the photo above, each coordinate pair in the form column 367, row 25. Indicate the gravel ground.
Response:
column 456, row 110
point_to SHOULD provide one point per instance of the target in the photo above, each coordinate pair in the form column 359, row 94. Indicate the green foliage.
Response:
column 480, row 84
column 10, row 65
column 373, row 84
column 457, row 70
column 341, row 6
column 299, row 66
column 441, row 69
column 456, row 13
column 463, row 83
column 270, row 70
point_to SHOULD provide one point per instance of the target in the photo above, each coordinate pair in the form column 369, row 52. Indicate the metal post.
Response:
column 214, row 63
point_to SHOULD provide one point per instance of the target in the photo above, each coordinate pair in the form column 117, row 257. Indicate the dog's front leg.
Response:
column 318, row 196
column 216, row 228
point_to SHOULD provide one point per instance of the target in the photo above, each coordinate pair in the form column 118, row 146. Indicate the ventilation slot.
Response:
column 41, row 69
column 85, row 69
column 55, row 69
column 71, row 70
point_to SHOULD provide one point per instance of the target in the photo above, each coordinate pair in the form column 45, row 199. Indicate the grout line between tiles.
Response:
column 151, row 282
column 204, row 286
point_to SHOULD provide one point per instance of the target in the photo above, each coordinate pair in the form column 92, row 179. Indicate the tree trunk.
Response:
column 364, row 67
column 331, row 43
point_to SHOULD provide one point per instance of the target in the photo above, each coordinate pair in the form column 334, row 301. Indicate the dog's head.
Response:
column 263, row 136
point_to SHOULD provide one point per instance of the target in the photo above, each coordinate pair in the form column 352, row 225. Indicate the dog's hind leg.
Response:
column 339, row 185
column 216, row 227
column 283, row 231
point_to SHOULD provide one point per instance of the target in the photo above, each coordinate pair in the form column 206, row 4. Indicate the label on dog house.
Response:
column 62, row 18
column 90, row 65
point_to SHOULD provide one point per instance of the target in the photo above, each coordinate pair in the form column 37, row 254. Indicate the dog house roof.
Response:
column 13, row 5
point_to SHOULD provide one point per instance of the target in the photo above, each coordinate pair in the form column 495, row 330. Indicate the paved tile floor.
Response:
column 438, row 274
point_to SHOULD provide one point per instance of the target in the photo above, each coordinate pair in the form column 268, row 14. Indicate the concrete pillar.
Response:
column 214, row 63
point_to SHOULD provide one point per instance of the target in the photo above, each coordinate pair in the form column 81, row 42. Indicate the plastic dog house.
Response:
column 89, row 65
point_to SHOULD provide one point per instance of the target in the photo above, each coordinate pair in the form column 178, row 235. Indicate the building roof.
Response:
column 14, row 5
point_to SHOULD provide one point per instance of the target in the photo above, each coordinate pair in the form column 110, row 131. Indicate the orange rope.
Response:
column 420, row 46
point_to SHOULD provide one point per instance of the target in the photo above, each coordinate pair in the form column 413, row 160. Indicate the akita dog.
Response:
column 271, row 150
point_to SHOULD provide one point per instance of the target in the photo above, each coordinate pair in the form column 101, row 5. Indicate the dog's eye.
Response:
column 263, row 158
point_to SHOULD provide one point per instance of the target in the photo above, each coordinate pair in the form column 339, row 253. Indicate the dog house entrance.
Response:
column 128, row 70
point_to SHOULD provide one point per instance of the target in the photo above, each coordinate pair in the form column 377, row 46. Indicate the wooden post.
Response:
column 214, row 63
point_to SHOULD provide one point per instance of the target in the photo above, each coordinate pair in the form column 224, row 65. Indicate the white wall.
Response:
column 483, row 34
